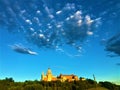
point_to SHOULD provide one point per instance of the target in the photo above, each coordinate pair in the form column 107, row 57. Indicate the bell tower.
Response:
column 49, row 74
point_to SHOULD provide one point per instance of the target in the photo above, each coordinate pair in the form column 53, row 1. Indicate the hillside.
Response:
column 98, row 88
column 88, row 84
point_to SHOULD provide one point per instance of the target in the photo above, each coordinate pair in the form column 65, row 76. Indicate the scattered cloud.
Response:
column 38, row 11
column 89, row 33
column 41, row 36
column 47, row 27
column 88, row 20
column 69, row 6
column 28, row 21
column 32, row 29
column 58, row 12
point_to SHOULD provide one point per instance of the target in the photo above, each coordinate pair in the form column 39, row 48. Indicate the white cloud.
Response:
column 67, row 18
column 58, row 12
column 50, row 16
column 89, row 21
column 34, row 34
column 28, row 21
column 38, row 12
column 32, row 53
column 22, row 11
column 48, row 11
column 89, row 33
column 32, row 29
column 58, row 26
column 77, row 15
column 41, row 36
column 36, row 20
column 98, row 21
column 69, row 6
column 72, row 16
column 47, row 40
column 79, row 22
column 59, row 49
column 49, row 25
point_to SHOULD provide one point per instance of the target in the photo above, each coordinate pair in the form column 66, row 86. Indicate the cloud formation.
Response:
column 48, row 27
column 20, row 49
column 113, row 44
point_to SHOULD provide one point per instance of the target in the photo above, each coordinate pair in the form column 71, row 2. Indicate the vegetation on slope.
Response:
column 10, row 84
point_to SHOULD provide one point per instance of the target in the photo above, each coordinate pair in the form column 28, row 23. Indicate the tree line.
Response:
column 10, row 84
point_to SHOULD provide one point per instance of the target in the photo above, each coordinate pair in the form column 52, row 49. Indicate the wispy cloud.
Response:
column 21, row 49
column 113, row 44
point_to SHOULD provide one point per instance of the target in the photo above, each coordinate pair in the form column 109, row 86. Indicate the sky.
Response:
column 80, row 37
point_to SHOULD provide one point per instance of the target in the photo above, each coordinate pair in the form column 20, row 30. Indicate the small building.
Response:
column 61, row 77
column 68, row 78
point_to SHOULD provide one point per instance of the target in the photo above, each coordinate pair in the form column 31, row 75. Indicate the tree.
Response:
column 108, row 85
column 9, row 79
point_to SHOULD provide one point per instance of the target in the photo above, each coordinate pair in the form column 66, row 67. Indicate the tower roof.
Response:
column 49, row 71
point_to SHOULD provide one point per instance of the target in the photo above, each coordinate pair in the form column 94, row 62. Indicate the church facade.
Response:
column 48, row 76
column 61, row 77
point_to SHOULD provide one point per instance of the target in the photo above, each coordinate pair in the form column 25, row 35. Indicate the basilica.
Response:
column 61, row 77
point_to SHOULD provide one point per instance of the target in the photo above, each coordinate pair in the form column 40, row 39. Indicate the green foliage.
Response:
column 9, row 84
column 109, row 85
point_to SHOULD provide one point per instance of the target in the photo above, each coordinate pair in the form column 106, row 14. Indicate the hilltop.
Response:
column 88, row 84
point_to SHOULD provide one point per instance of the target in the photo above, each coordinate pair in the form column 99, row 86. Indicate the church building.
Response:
column 48, row 76
column 61, row 77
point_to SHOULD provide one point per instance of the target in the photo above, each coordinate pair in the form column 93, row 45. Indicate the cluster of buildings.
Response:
column 61, row 77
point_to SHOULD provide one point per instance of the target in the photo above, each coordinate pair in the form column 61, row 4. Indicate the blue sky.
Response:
column 70, row 37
